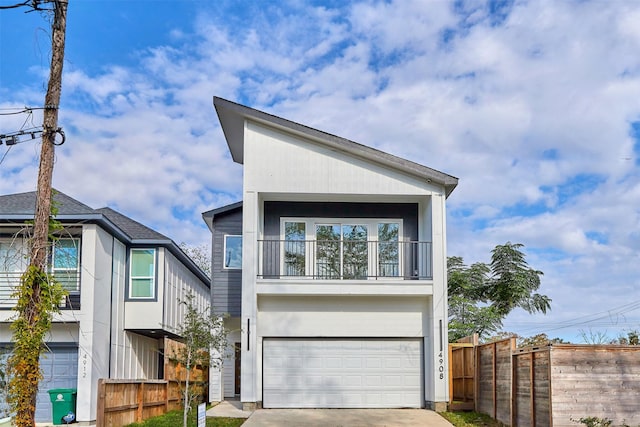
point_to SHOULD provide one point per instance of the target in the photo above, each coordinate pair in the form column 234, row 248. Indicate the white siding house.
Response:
column 125, row 282
column 341, row 296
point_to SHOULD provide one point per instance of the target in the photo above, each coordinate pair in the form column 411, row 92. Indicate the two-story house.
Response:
column 333, row 268
column 125, row 282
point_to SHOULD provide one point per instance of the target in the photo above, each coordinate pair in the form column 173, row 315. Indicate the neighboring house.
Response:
column 124, row 281
column 333, row 269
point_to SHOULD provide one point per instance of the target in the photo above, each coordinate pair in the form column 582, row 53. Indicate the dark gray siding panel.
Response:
column 408, row 212
column 226, row 284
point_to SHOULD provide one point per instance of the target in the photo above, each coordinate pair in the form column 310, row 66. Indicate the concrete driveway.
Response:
column 345, row 418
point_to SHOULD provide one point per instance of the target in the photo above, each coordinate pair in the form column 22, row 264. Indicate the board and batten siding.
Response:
column 132, row 355
column 226, row 287
column 178, row 282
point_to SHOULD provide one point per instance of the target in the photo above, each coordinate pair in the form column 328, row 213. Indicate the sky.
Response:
column 533, row 105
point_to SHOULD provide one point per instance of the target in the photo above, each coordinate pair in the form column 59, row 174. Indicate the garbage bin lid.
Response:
column 63, row 390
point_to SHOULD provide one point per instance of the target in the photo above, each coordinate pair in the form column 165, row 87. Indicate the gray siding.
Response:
column 226, row 284
column 408, row 212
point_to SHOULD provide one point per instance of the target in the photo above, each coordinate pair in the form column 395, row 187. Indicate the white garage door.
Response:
column 342, row 373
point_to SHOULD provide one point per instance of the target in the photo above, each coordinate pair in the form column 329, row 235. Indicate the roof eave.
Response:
column 233, row 116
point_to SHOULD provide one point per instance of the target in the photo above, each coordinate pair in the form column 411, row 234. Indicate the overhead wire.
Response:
column 615, row 315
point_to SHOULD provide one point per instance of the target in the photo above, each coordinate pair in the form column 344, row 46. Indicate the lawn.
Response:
column 174, row 419
column 470, row 419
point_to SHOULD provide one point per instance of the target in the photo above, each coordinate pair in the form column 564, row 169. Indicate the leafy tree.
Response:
column 482, row 295
column 205, row 340
column 632, row 338
column 539, row 340
column 532, row 341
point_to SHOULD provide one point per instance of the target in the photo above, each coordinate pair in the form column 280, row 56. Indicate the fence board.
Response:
column 493, row 377
column 461, row 376
column 599, row 381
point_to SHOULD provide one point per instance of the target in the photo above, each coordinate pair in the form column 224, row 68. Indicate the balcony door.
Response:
column 341, row 249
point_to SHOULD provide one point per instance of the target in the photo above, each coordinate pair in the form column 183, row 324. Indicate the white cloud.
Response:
column 517, row 109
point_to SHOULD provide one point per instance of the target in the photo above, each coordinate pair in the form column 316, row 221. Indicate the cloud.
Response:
column 531, row 105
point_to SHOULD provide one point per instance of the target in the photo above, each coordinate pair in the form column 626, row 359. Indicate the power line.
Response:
column 607, row 318
column 34, row 4
column 15, row 111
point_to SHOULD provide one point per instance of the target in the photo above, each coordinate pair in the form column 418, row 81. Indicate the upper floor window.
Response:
column 232, row 252
column 341, row 248
column 65, row 263
column 142, row 273
column 13, row 257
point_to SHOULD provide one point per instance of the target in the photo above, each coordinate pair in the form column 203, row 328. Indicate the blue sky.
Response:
column 534, row 105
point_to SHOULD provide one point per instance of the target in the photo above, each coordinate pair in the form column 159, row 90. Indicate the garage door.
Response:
column 60, row 370
column 342, row 373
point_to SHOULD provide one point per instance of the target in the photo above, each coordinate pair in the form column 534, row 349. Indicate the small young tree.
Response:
column 205, row 339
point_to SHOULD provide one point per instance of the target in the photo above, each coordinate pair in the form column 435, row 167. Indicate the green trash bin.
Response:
column 63, row 402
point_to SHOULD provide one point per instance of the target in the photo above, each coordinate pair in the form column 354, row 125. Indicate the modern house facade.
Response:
column 333, row 269
column 125, row 282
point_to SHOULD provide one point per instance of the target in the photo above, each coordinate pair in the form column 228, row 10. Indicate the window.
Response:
column 65, row 263
column 142, row 273
column 13, row 257
column 294, row 248
column 233, row 252
column 341, row 249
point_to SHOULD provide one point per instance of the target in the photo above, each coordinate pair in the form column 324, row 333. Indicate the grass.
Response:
column 174, row 419
column 470, row 419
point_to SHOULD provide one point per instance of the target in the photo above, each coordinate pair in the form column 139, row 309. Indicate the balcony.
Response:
column 345, row 260
column 70, row 281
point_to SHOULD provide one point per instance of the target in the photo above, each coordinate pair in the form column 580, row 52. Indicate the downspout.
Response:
column 113, row 246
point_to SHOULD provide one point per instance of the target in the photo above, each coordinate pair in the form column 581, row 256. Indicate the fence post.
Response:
column 140, row 399
column 166, row 396
column 494, row 379
column 100, row 408
column 532, row 384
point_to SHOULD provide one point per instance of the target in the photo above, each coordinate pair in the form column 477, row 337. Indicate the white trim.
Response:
column 152, row 277
column 224, row 253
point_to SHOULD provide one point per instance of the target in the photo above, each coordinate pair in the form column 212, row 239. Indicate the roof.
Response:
column 232, row 117
column 25, row 204
column 133, row 229
column 21, row 207
column 209, row 216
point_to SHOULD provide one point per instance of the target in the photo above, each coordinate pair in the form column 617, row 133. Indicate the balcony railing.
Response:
column 70, row 281
column 345, row 260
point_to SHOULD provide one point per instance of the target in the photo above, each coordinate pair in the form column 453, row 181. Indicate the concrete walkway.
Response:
column 228, row 409
column 345, row 418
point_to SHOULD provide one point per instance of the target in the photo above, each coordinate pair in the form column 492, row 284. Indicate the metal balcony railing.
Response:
column 70, row 281
column 345, row 260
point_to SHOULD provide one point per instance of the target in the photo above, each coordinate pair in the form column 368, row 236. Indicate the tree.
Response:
column 200, row 255
column 538, row 340
column 205, row 340
column 482, row 295
column 632, row 338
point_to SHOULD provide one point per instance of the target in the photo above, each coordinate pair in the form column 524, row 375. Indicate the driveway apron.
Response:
column 345, row 418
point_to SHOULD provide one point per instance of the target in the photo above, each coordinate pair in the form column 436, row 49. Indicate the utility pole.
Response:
column 50, row 125
column 36, row 300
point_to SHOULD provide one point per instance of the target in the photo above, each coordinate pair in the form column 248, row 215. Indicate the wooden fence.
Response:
column 493, row 378
column 557, row 384
column 462, row 374
column 122, row 402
